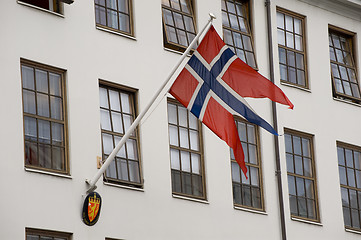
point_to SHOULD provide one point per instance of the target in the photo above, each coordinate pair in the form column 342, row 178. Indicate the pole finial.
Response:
column 212, row 16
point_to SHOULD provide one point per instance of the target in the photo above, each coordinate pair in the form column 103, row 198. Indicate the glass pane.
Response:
column 227, row 35
column 283, row 72
column 300, row 187
column 339, row 87
column 58, row 158
column 288, row 143
column 124, row 170
column 254, row 176
column 282, row 55
column 246, row 195
column 247, row 43
column 240, row 8
column 349, row 158
column 197, row 185
column 184, row 138
column 56, row 105
column 291, row 185
column 134, row 171
column 230, row 7
column 176, row 182
column 196, row 163
column 358, row 180
column 289, row 40
column 193, row 121
column 107, row 143
column 280, row 20
column 44, row 131
column 44, row 152
column 332, row 54
column 103, row 97
column 311, row 209
column 336, row 41
column 185, row 161
column 298, row 43
column 256, row 197
column 298, row 26
column 189, row 24
column 194, row 140
column 114, row 100
column 290, row 166
column 297, row 145
column 340, row 155
column 250, row 59
column 292, row 75
column 57, row 134
column 124, row 24
column 41, row 78
column 236, row 177
column 182, row 37
column 234, row 21
column 242, row 131
column 178, row 20
column 289, row 23
column 168, row 17
column 346, row 216
column 347, row 87
column 31, row 153
column 29, row 102
column 302, row 207
column 175, row 4
column 357, row 160
column 132, row 149
column 112, row 19
column 351, row 177
column 43, row 104
column 301, row 77
column 182, row 116
column 306, row 147
column 309, row 189
column 27, row 74
column 237, row 195
column 339, row 56
column 186, row 183
column 123, row 6
column 252, row 150
column 281, row 37
column 355, row 218
column 100, row 16
column 237, row 40
column 117, row 122
column 128, row 120
column 112, row 4
column 291, row 60
column 244, row 180
column 225, row 21
column 299, row 61
column 307, row 167
column 172, row 113
column 355, row 90
column 174, row 159
column 55, row 84
column 105, row 120
column 30, row 128
column 352, row 75
column 342, row 172
column 293, row 205
column 242, row 23
column 184, row 6
column 173, row 136
column 111, row 171
column 353, row 198
column 298, row 165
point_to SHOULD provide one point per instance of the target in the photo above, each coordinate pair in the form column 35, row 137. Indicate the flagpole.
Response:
column 126, row 136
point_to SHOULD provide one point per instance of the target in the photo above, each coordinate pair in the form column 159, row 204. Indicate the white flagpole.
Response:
column 126, row 136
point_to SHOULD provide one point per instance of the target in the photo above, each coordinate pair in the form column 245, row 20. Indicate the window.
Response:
column 178, row 24
column 115, row 15
column 301, row 176
column 343, row 70
column 248, row 192
column 349, row 165
column 44, row 109
column 237, row 31
column 117, row 113
column 291, row 48
column 36, row 234
column 185, row 152
column 51, row 5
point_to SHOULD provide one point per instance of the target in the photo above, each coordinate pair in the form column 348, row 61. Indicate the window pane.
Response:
column 28, row 77
column 43, row 104
column 55, row 84
column 185, row 161
column 41, row 81
column 29, row 102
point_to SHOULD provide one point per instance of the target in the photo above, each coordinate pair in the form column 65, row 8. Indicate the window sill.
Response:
column 306, row 221
column 348, row 102
column 123, row 186
column 175, row 51
column 352, row 231
column 190, row 199
column 250, row 210
column 115, row 32
column 295, row 86
column 47, row 173
column 41, row 9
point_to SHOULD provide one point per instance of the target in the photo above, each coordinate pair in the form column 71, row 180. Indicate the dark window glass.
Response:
column 51, row 5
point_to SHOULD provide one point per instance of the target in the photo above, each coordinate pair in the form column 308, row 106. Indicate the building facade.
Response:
column 75, row 76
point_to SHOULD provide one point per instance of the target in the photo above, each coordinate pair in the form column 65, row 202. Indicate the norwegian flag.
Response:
column 213, row 85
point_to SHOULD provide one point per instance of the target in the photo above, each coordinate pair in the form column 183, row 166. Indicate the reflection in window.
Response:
column 37, row 234
column 349, row 165
column 185, row 152
column 117, row 113
column 114, row 14
column 44, row 117
column 301, row 176
column 236, row 30
column 248, row 192
column 291, row 50
column 178, row 23
column 343, row 70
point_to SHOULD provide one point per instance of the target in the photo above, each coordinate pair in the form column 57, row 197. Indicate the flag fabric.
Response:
column 213, row 85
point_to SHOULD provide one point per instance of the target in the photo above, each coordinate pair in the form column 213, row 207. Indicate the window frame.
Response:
column 250, row 34
column 258, row 166
column 134, row 94
column 59, row 5
column 117, row 30
column 48, row 233
column 350, row 38
column 62, row 73
column 313, row 178
column 302, row 18
column 201, row 153
column 167, row 43
column 346, row 146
